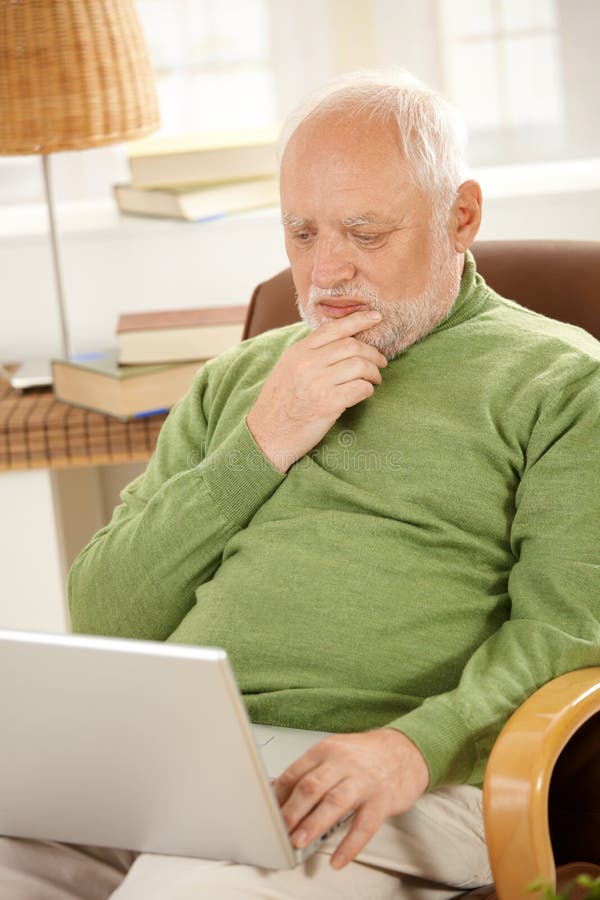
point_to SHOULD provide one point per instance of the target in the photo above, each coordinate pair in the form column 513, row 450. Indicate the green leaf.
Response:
column 548, row 893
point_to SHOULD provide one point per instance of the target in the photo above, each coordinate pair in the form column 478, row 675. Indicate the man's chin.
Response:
column 375, row 336
column 391, row 345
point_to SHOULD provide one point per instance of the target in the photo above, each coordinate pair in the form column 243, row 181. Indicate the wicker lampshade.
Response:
column 73, row 74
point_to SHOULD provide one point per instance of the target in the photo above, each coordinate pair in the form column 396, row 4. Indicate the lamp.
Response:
column 74, row 74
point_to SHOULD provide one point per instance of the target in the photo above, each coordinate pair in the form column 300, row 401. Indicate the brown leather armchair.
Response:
column 542, row 785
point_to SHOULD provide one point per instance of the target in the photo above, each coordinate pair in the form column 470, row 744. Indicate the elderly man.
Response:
column 386, row 515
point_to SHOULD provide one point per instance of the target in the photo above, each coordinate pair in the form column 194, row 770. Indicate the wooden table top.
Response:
column 39, row 432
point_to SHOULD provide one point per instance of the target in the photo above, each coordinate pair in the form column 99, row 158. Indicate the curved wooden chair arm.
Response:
column 517, row 780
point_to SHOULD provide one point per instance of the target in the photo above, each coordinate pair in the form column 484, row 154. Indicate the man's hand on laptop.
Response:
column 376, row 774
column 312, row 384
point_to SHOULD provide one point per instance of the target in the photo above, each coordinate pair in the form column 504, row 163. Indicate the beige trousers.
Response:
column 435, row 851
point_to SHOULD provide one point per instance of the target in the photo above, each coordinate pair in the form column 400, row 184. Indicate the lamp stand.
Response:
column 35, row 373
column 64, row 328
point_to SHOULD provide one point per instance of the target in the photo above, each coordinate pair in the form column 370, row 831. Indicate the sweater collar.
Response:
column 470, row 296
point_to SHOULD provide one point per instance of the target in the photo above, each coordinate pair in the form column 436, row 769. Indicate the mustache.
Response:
column 345, row 289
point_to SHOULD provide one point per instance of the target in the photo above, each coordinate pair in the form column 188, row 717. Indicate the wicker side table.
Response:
column 39, row 432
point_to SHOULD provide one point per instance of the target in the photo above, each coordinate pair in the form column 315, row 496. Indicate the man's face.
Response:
column 360, row 235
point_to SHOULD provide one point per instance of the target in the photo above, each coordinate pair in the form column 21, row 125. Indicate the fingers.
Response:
column 347, row 326
column 355, row 392
column 340, row 800
column 351, row 347
column 318, row 803
column 285, row 783
column 367, row 821
column 355, row 368
column 320, row 786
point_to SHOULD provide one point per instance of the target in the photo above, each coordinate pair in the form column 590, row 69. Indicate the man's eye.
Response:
column 366, row 238
column 301, row 236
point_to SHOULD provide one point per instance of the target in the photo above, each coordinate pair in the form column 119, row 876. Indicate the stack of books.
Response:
column 155, row 359
column 200, row 178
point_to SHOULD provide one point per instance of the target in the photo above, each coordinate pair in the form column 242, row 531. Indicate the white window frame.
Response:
column 408, row 33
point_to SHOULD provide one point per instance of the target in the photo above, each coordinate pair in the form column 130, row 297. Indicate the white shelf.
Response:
column 100, row 217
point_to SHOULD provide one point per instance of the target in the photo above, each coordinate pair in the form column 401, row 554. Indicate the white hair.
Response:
column 432, row 133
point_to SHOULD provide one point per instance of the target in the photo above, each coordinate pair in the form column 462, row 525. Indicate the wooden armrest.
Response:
column 517, row 779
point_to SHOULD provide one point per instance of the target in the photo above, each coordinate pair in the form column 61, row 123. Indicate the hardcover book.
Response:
column 178, row 334
column 95, row 381
column 207, row 158
column 194, row 202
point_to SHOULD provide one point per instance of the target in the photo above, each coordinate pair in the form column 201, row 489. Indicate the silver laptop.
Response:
column 32, row 373
column 139, row 745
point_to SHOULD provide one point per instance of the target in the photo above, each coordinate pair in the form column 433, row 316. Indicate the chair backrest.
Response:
column 558, row 278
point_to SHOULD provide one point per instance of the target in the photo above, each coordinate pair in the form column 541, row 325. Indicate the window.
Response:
column 212, row 61
column 524, row 73
column 501, row 65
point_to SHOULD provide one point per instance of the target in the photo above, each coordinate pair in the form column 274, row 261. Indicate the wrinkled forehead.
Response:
column 352, row 136
column 338, row 155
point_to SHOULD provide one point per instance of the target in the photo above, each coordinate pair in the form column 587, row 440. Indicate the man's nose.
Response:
column 331, row 264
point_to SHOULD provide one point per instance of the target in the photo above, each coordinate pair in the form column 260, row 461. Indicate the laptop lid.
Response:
column 133, row 744
column 32, row 373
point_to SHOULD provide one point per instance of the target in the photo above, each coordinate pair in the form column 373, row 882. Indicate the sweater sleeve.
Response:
column 138, row 575
column 554, row 589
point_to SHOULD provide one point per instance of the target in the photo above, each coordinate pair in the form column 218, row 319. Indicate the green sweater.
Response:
column 428, row 565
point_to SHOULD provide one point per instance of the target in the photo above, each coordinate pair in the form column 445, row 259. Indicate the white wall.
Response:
column 114, row 264
column 32, row 560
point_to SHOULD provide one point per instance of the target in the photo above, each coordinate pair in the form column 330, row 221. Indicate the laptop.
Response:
column 139, row 745
column 33, row 373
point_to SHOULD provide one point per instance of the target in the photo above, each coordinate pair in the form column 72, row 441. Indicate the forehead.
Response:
column 346, row 166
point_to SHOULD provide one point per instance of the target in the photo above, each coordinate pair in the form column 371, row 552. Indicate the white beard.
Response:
column 405, row 321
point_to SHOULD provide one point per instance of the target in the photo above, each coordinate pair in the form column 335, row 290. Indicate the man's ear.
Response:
column 466, row 215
